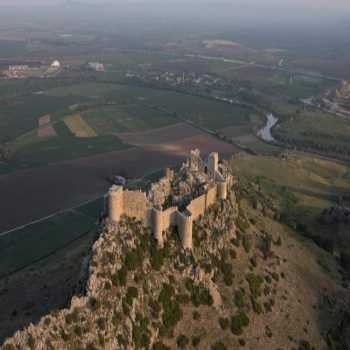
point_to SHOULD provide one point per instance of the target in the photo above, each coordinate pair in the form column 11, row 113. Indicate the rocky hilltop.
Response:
column 248, row 282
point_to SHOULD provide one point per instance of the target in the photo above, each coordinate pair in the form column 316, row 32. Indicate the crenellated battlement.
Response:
column 175, row 200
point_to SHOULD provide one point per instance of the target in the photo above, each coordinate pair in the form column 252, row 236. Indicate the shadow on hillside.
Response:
column 43, row 287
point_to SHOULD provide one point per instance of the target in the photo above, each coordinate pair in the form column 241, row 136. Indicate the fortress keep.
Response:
column 176, row 200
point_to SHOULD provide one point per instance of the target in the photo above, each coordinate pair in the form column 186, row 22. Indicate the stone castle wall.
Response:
column 136, row 205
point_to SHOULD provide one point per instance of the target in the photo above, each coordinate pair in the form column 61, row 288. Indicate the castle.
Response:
column 176, row 200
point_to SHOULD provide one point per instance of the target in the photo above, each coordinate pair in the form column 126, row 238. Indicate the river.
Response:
column 265, row 132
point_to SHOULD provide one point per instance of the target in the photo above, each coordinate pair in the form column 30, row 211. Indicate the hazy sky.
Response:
column 308, row 4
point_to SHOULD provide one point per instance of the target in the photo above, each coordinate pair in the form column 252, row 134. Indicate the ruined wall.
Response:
column 211, row 196
column 197, row 207
column 136, row 205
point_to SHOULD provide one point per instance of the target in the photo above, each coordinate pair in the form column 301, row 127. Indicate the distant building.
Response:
column 16, row 71
column 96, row 66
column 55, row 65
column 18, row 68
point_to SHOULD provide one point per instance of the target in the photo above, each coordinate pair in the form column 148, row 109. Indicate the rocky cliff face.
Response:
column 249, row 282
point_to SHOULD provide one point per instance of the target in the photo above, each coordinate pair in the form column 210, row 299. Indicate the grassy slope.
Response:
column 301, row 187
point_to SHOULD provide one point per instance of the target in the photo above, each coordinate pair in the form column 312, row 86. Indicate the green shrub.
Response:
column 140, row 335
column 266, row 245
column 257, row 308
column 233, row 254
column 224, row 323
column 247, row 243
column 121, row 340
column 268, row 332
column 218, row 346
column 160, row 346
column 196, row 315
column 119, row 278
column 268, row 279
column 199, row 294
column 133, row 259
column 254, row 261
column 279, row 241
column 155, row 308
column 125, row 307
column 9, row 346
column 255, row 283
column 131, row 294
column 226, row 270
column 240, row 298
column 158, row 256
column 91, row 346
column 304, row 345
column 172, row 313
column 182, row 341
column 238, row 323
column 78, row 331
column 195, row 341
column 101, row 323
column 241, row 342
column 275, row 276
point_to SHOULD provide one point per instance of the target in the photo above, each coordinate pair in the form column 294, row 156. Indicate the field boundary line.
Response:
column 4, row 233
column 47, row 255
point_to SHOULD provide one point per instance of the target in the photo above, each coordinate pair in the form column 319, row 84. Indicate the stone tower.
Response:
column 115, row 203
column 213, row 164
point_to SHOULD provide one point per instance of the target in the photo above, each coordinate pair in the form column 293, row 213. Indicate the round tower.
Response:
column 222, row 190
column 213, row 164
column 157, row 222
column 185, row 230
column 115, row 203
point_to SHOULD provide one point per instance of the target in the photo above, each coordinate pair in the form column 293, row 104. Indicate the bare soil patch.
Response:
column 46, row 131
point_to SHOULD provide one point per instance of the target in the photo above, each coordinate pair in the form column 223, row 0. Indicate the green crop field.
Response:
column 114, row 119
column 318, row 130
column 20, row 248
column 21, row 114
column 314, row 182
column 25, row 246
column 207, row 113
column 66, row 146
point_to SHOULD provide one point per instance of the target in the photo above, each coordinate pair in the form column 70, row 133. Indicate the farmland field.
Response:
column 317, row 130
column 313, row 181
column 65, row 184
column 21, row 115
column 135, row 117
column 54, row 251
column 129, row 109
column 38, row 240
column 197, row 109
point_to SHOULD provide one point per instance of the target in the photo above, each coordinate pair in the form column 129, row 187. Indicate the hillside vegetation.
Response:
column 249, row 282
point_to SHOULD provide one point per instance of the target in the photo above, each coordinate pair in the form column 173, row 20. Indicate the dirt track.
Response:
column 30, row 194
